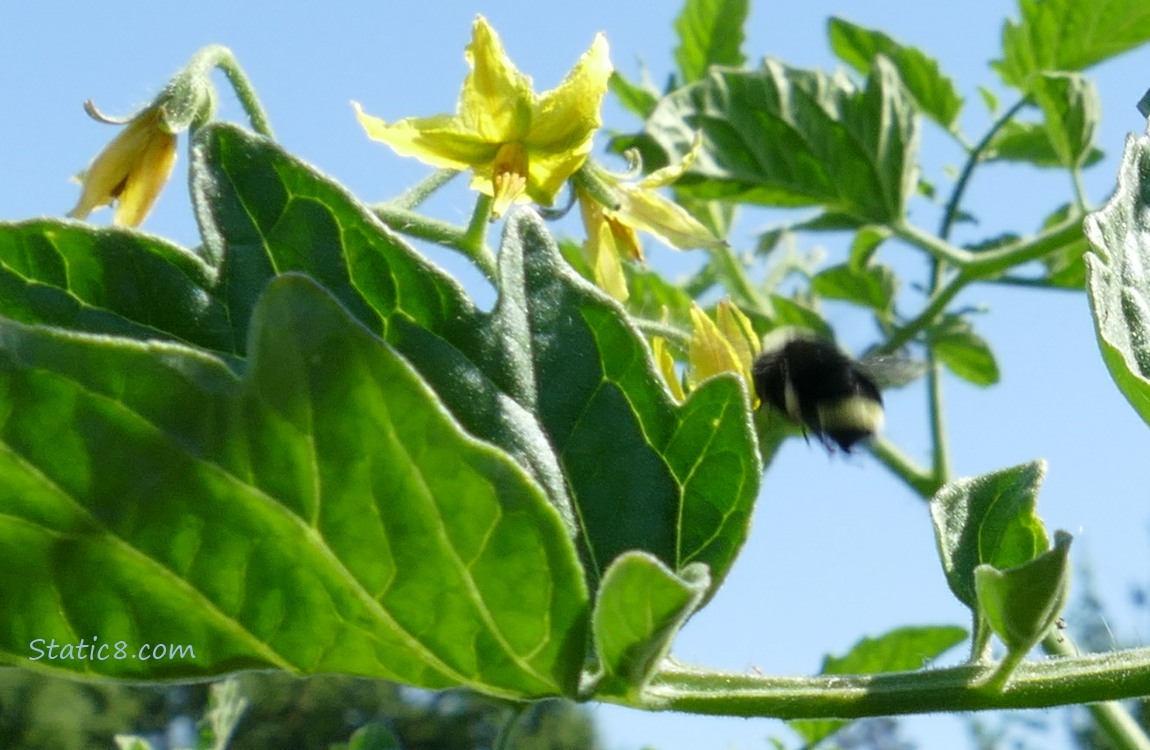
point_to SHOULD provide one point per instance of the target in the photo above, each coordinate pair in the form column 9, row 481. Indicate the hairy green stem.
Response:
column 218, row 56
column 1034, row 684
column 994, row 262
column 476, row 234
column 422, row 190
column 914, row 476
column 440, row 232
column 938, row 302
column 1111, row 717
column 974, row 157
column 675, row 335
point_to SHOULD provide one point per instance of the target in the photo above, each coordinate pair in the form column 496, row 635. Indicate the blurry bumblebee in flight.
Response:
column 821, row 388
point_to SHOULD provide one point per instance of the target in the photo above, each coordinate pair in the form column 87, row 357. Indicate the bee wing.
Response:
column 892, row 370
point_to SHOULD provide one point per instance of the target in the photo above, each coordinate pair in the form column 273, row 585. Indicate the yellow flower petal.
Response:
column 605, row 266
column 132, row 169
column 736, row 328
column 650, row 212
column 568, row 115
column 708, row 353
column 666, row 364
column 496, row 101
column 144, row 183
column 440, row 141
column 672, row 172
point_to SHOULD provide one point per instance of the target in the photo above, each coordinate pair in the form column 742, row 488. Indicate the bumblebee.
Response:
column 820, row 388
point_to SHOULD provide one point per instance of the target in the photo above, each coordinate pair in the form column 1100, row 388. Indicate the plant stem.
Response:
column 1034, row 684
column 972, row 160
column 1111, row 717
column 897, row 462
column 440, row 232
column 938, row 302
column 422, row 190
column 217, row 56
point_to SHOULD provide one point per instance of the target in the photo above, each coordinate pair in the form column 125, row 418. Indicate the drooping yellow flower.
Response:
column 519, row 145
column 607, row 241
column 131, row 170
column 613, row 230
column 727, row 344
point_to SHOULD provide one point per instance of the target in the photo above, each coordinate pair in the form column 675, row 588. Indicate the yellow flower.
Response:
column 607, row 241
column 131, row 170
column 727, row 344
column 519, row 145
column 612, row 230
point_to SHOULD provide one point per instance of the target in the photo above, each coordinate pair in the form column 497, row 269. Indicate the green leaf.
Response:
column 932, row 90
column 1116, row 276
column 677, row 481
column 109, row 280
column 265, row 212
column 822, row 222
column 900, row 650
column 796, row 312
column 1069, row 35
column 639, row 609
column 865, row 244
column 1022, row 603
column 1070, row 103
column 873, row 286
column 989, row 519
column 636, row 98
column 298, row 518
column 789, row 137
column 964, row 352
column 710, row 33
column 1030, row 143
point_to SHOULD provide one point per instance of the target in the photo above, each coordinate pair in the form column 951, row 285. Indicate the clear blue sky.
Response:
column 838, row 548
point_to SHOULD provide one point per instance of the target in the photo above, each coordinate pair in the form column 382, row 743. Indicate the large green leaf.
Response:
column 323, row 513
column 1118, row 276
column 930, row 87
column 555, row 375
column 677, row 481
column 710, row 33
column 899, row 650
column 109, row 280
column 790, row 137
column 1069, row 35
column 263, row 212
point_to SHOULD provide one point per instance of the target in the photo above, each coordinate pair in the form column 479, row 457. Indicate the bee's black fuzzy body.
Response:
column 820, row 388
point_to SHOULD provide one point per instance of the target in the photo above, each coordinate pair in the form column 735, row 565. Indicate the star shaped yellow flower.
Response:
column 519, row 145
column 131, row 170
